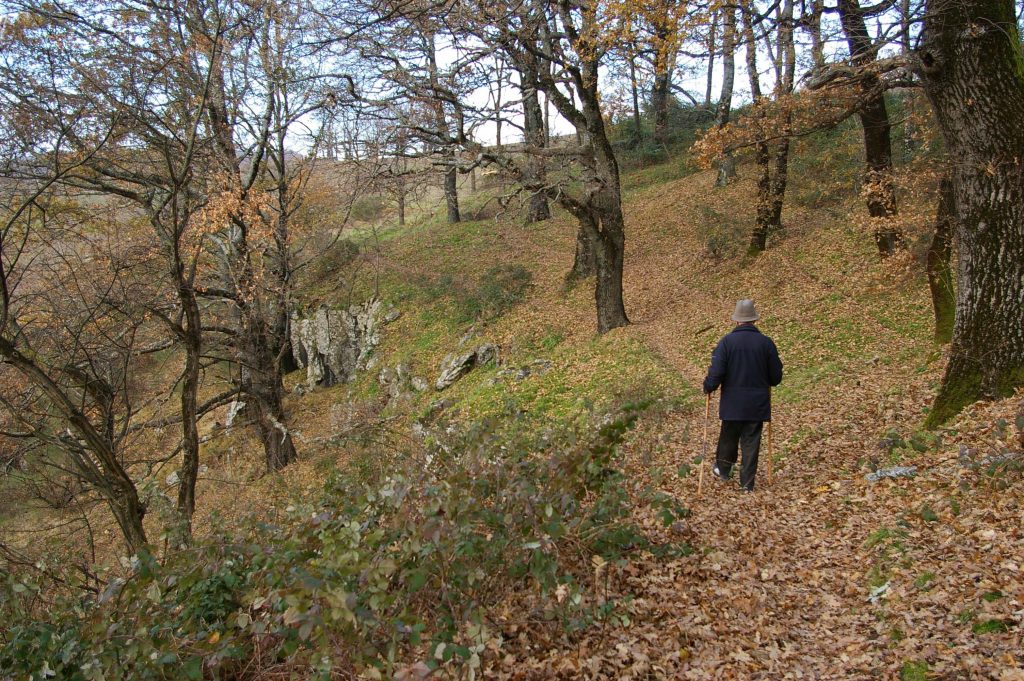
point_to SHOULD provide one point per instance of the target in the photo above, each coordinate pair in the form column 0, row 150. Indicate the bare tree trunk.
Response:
column 874, row 117
column 661, row 88
column 971, row 67
column 600, row 212
column 785, row 77
column 813, row 25
column 726, row 163
column 451, row 188
column 401, row 203
column 609, row 248
column 772, row 182
column 606, row 205
column 711, row 58
column 281, row 260
column 189, row 472
column 261, row 370
column 638, row 131
column 762, row 154
column 533, row 132
column 905, row 20
column 764, row 205
column 266, row 393
column 940, row 274
column 777, row 190
column 499, row 83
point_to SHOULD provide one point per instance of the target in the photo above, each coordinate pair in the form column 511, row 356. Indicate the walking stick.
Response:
column 704, row 447
column 770, row 451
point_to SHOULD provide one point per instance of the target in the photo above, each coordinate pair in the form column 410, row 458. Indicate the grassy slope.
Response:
column 782, row 578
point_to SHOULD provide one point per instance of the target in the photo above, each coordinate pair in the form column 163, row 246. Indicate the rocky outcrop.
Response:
column 235, row 411
column 456, row 366
column 332, row 345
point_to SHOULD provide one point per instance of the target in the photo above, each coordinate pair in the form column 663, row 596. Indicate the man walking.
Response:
column 745, row 364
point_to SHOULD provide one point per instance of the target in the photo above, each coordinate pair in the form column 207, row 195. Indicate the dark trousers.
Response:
column 736, row 434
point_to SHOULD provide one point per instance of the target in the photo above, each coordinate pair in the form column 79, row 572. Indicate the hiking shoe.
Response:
column 718, row 473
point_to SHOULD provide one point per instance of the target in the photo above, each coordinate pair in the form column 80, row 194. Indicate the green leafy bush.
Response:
column 367, row 208
column 387, row 567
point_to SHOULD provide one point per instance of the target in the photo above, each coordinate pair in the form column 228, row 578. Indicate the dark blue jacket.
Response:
column 745, row 363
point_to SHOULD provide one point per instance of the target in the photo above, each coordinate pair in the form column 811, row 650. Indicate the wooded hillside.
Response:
column 367, row 341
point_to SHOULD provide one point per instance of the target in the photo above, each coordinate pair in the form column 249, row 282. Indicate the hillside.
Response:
column 819, row 573
column 781, row 579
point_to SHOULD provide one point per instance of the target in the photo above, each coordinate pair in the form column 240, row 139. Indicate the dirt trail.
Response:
column 781, row 582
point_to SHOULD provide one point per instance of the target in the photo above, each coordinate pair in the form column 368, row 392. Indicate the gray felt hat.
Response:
column 745, row 311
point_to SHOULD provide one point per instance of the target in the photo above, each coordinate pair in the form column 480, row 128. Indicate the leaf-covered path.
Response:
column 781, row 581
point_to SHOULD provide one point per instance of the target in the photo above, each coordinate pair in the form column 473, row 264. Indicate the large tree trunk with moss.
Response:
column 763, row 206
column 880, row 194
column 266, row 393
column 609, row 249
column 584, row 265
column 972, row 68
column 940, row 274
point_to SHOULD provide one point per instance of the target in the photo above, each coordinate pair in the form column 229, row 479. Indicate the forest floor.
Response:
column 819, row 573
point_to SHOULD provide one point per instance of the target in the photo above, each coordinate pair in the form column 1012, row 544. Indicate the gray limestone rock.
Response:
column 235, row 410
column 332, row 345
column 456, row 366
column 894, row 472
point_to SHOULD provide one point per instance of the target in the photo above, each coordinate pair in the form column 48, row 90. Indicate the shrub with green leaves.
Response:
column 367, row 208
column 495, row 293
column 387, row 567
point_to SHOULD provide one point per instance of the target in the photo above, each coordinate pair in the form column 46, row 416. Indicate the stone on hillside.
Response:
column 486, row 353
column 420, row 384
column 332, row 345
column 235, row 410
column 894, row 472
column 395, row 381
column 455, row 367
column 969, row 458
